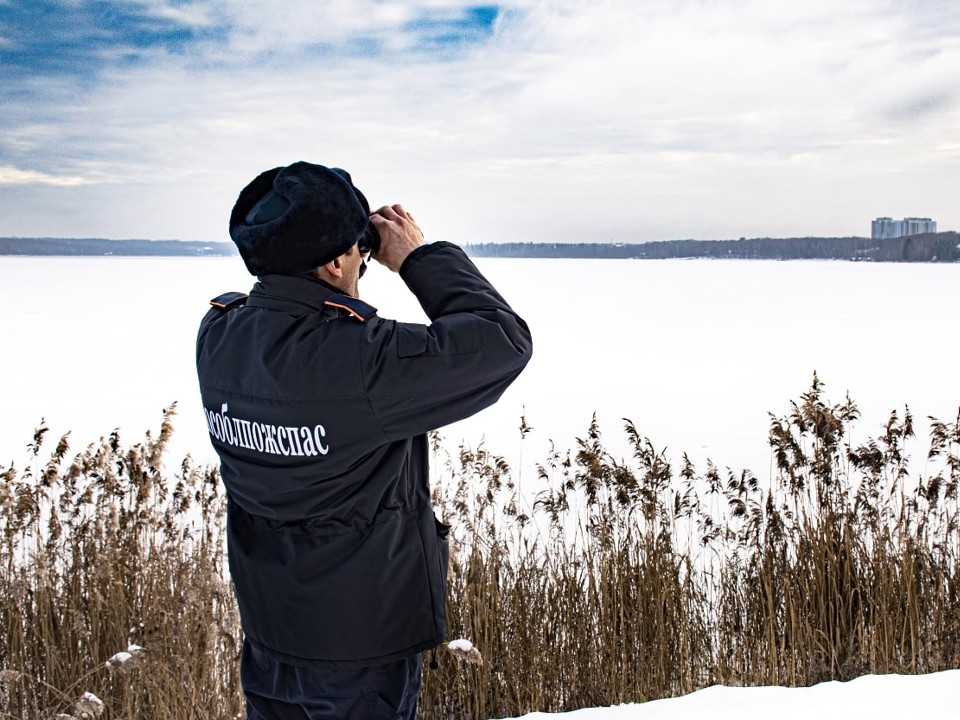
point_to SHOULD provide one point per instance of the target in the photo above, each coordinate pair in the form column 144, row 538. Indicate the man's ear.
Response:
column 335, row 267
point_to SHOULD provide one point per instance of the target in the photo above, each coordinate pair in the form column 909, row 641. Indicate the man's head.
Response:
column 293, row 219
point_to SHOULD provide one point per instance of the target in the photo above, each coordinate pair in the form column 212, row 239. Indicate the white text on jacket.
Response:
column 262, row 437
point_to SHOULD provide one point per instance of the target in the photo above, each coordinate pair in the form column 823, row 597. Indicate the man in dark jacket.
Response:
column 318, row 409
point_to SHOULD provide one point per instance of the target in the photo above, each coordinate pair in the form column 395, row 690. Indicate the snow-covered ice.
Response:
column 676, row 357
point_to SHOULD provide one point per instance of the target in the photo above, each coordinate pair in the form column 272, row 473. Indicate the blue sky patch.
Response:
column 47, row 37
column 71, row 39
column 444, row 33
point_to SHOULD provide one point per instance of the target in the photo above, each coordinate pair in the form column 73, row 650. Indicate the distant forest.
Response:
column 97, row 246
column 935, row 247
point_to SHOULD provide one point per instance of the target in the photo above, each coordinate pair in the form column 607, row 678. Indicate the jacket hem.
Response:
column 344, row 664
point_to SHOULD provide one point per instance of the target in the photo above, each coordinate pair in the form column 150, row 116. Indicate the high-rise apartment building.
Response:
column 884, row 227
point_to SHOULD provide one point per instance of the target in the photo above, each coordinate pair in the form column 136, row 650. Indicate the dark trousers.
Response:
column 280, row 691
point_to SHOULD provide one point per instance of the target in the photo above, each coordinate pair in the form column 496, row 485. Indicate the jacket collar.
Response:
column 310, row 292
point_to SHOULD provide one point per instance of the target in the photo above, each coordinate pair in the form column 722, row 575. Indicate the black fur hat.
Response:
column 292, row 219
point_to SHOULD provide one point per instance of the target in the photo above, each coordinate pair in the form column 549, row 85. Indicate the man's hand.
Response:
column 399, row 235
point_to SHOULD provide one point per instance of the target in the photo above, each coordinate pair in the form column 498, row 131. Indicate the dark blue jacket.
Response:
column 318, row 409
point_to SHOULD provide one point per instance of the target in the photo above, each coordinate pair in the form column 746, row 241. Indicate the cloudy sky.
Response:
column 525, row 120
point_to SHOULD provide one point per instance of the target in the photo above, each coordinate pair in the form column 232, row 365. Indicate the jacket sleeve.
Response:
column 422, row 377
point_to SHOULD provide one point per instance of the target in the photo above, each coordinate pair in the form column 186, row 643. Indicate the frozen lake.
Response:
column 695, row 352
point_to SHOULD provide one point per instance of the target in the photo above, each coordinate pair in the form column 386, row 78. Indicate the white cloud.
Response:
column 193, row 15
column 10, row 175
column 286, row 27
column 635, row 120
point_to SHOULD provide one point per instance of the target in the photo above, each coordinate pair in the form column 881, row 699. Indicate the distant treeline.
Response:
column 935, row 247
column 97, row 246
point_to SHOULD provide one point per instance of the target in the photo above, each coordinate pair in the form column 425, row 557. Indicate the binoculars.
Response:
column 370, row 242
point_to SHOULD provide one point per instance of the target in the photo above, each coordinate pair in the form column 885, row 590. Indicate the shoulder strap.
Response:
column 229, row 300
column 344, row 305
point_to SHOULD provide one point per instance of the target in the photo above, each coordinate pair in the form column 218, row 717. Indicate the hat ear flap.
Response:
column 251, row 195
column 269, row 207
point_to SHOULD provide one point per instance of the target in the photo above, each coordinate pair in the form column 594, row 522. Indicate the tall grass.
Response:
column 604, row 580
column 104, row 552
column 629, row 580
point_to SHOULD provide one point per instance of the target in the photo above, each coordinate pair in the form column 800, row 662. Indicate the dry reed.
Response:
column 624, row 579
column 628, row 581
column 102, row 553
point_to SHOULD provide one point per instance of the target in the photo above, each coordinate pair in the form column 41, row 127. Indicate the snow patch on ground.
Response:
column 872, row 697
